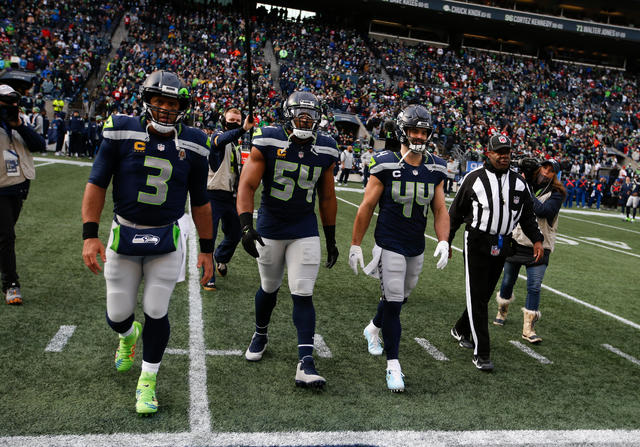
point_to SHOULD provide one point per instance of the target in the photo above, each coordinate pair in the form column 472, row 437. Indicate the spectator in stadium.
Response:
column 17, row 142
column 76, row 135
column 151, row 180
column 452, row 169
column 222, row 187
column 633, row 200
column 487, row 239
column 418, row 177
column 346, row 162
column 570, row 186
column 582, row 184
column 547, row 194
column 293, row 162
column 365, row 159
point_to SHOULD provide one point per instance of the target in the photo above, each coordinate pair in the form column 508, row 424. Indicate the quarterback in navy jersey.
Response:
column 153, row 161
column 294, row 162
column 405, row 184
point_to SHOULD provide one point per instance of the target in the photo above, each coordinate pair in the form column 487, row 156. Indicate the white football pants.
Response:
column 124, row 274
column 398, row 274
column 302, row 258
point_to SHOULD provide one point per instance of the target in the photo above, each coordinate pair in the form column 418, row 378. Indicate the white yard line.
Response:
column 621, row 354
column 527, row 350
column 43, row 164
column 59, row 341
column 601, row 224
column 321, row 347
column 551, row 289
column 373, row 438
column 199, row 414
column 173, row 351
column 585, row 241
column 63, row 161
column 432, row 350
column 223, row 352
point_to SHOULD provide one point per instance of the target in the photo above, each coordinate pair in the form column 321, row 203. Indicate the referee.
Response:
column 491, row 201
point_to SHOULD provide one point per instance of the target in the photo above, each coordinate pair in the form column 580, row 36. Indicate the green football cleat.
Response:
column 127, row 349
column 146, row 402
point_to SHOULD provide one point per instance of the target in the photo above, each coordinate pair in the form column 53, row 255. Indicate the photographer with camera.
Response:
column 17, row 142
column 548, row 194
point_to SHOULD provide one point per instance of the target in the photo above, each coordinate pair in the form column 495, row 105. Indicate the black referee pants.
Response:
column 482, row 272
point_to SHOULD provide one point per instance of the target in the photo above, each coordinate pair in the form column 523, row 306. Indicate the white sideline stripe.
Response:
column 172, row 351
column 208, row 352
column 321, row 347
column 59, row 341
column 590, row 306
column 621, row 354
column 223, row 352
column 43, row 164
column 585, row 241
column 199, row 414
column 551, row 289
column 377, row 438
column 432, row 350
column 601, row 224
column 64, row 162
column 527, row 350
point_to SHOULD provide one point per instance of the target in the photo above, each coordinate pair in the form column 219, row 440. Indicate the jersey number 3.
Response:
column 157, row 182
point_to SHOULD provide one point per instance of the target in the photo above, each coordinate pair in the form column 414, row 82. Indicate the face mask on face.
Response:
column 232, row 126
column 9, row 113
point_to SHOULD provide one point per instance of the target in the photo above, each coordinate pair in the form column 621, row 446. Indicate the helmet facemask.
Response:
column 304, row 121
column 414, row 144
column 162, row 119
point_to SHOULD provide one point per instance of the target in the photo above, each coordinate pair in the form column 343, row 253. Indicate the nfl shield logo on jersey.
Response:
column 516, row 200
column 161, row 147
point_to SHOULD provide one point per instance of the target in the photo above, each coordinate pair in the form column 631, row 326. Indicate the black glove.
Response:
column 249, row 234
column 332, row 249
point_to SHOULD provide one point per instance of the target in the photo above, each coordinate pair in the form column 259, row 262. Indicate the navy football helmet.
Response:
column 168, row 85
column 414, row 117
column 299, row 103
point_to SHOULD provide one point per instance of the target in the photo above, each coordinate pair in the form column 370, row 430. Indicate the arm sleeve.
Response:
column 33, row 141
column 550, row 208
column 528, row 221
column 221, row 139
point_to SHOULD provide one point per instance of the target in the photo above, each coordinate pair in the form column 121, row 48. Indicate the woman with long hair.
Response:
column 548, row 195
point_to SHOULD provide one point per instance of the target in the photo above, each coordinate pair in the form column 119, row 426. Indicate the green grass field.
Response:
column 77, row 392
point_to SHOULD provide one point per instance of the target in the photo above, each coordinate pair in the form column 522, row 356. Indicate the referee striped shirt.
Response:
column 493, row 202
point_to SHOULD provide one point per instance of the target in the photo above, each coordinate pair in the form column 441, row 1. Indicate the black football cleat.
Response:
column 463, row 341
column 483, row 363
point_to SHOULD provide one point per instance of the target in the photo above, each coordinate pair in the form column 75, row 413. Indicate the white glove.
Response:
column 355, row 257
column 442, row 250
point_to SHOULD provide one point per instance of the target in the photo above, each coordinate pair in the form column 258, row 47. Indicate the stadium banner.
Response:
column 524, row 18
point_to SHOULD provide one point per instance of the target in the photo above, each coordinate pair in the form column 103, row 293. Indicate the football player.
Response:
column 154, row 161
column 404, row 184
column 293, row 162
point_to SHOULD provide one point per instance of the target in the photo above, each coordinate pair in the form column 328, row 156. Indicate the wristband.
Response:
column 206, row 245
column 89, row 230
column 246, row 219
column 330, row 234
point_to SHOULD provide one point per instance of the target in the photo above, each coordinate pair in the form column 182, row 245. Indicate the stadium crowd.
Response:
column 575, row 114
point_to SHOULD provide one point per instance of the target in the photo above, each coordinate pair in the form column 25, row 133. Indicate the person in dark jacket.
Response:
column 548, row 195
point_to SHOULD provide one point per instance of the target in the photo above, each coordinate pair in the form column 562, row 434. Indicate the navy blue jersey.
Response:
column 151, row 177
column 408, row 191
column 289, row 182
